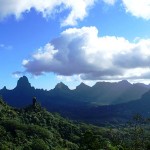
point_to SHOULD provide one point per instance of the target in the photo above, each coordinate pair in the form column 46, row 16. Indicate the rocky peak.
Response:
column 4, row 88
column 82, row 86
column 124, row 83
column 23, row 83
column 61, row 86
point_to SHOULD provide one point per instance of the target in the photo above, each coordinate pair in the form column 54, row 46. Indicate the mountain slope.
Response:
column 106, row 93
column 35, row 128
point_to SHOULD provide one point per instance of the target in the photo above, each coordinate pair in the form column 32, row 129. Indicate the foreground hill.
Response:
column 34, row 128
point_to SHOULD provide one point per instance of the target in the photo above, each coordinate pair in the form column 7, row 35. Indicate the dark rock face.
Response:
column 21, row 95
column 23, row 83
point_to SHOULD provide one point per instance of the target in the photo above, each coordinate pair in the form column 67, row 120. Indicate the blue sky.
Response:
column 74, row 41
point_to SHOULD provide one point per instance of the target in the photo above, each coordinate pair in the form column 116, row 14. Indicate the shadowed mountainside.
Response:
column 102, row 93
column 83, row 103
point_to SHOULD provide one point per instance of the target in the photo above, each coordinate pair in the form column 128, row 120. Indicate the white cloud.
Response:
column 138, row 8
column 82, row 52
column 78, row 8
column 74, row 78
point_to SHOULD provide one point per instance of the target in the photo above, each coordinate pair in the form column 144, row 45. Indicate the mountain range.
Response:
column 105, row 101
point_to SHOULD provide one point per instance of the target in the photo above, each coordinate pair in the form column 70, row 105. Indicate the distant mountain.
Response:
column 132, row 93
column 23, row 83
column 20, row 95
column 82, row 87
column 56, row 100
column 114, row 114
column 102, row 93
column 61, row 86
column 84, row 102
column 106, row 93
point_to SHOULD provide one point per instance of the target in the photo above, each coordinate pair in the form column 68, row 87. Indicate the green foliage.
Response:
column 34, row 128
column 90, row 141
column 39, row 144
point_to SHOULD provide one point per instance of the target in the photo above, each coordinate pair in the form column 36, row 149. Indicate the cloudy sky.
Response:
column 74, row 41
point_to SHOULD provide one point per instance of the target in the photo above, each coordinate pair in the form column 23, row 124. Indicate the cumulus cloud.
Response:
column 138, row 56
column 138, row 8
column 78, row 8
column 81, row 51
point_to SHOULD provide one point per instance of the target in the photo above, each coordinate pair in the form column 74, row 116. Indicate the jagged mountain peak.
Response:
column 4, row 88
column 124, row 82
column 23, row 82
column 61, row 85
column 82, row 86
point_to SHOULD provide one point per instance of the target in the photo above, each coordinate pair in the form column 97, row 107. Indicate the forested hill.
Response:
column 34, row 128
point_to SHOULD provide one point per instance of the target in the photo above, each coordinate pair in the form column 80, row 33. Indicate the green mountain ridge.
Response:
column 34, row 128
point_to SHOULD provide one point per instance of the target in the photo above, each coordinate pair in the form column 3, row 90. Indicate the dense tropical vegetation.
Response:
column 34, row 128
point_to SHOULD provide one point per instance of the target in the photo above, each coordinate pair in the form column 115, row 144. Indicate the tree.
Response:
column 89, row 141
column 39, row 144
